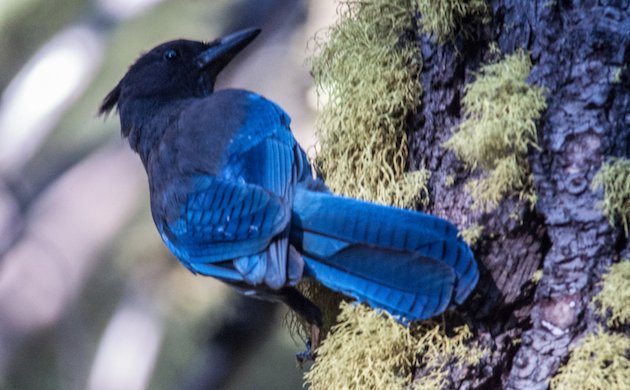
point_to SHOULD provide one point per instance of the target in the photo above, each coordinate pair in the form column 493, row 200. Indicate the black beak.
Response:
column 226, row 48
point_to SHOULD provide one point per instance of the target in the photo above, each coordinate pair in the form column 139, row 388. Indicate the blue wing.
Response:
column 264, row 151
column 221, row 221
column 235, row 226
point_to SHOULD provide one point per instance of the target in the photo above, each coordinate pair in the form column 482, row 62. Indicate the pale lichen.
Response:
column 614, row 177
column 442, row 353
column 536, row 276
column 368, row 70
column 616, row 74
column 599, row 362
column 613, row 301
column 471, row 234
column 499, row 127
column 449, row 181
column 442, row 18
column 371, row 350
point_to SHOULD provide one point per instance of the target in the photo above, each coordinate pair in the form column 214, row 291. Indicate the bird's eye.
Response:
column 170, row 54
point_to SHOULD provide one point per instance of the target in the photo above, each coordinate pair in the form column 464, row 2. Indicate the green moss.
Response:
column 441, row 352
column 616, row 72
column 600, row 362
column 494, row 49
column 536, row 276
column 509, row 176
column 614, row 298
column 449, row 180
column 471, row 234
column 368, row 349
column 442, row 18
column 366, row 75
column 614, row 177
column 500, row 113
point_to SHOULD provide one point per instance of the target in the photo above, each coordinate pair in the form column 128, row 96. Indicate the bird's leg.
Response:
column 311, row 347
column 310, row 313
column 315, row 330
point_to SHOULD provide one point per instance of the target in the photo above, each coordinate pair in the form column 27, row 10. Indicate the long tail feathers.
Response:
column 409, row 263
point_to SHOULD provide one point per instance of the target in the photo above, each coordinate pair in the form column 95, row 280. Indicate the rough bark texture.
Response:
column 576, row 48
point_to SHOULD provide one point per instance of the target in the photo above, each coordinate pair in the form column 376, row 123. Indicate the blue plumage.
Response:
column 233, row 196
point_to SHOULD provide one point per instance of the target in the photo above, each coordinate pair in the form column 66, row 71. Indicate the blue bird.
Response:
column 233, row 196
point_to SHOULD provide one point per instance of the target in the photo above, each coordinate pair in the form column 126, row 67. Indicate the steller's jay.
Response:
column 233, row 196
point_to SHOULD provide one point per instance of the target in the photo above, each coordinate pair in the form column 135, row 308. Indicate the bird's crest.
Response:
column 110, row 101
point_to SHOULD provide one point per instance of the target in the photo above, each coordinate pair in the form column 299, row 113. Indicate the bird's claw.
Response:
column 305, row 356
column 311, row 346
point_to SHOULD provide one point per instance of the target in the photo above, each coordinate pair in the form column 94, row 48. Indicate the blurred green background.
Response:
column 89, row 297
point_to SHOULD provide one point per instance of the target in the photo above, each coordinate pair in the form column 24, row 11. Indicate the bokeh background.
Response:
column 89, row 297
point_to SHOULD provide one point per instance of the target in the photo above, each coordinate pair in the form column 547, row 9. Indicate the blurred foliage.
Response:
column 273, row 366
column 125, row 44
column 190, row 307
column 27, row 24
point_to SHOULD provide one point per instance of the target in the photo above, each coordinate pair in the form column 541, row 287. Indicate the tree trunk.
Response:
column 576, row 48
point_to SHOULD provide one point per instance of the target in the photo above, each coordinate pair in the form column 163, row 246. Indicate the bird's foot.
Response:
column 311, row 347
column 305, row 356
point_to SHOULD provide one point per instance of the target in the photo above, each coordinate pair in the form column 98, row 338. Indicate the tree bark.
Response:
column 575, row 47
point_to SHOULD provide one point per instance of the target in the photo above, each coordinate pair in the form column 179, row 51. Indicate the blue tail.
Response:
column 409, row 263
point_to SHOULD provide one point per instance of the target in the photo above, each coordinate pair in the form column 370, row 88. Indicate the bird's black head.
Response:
column 175, row 70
